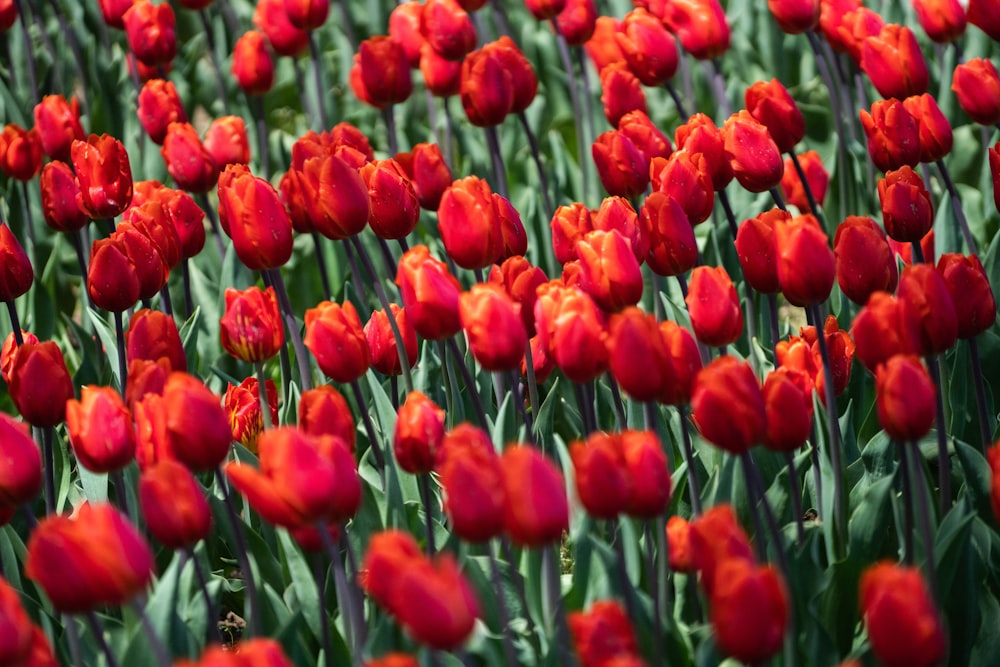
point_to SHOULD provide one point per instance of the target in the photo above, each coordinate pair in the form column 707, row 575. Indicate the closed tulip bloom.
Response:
column 150, row 268
column 21, row 474
column 907, row 211
column 685, row 362
column 389, row 553
column 714, row 306
column 380, row 75
column 994, row 158
column 418, row 435
column 188, row 163
column 226, row 141
column 102, row 168
column 537, row 511
column 602, row 479
column 307, row 14
column 971, row 294
column 474, row 493
column 145, row 377
column 543, row 10
column 9, row 351
column 302, row 480
column 271, row 18
column 520, row 280
column 993, row 457
column 795, row 16
column 685, row 177
column 382, row 341
column 16, row 629
column 153, row 222
column 404, row 28
column 728, row 405
column 251, row 327
column 577, row 21
column 638, row 356
column 112, row 279
column 646, row 137
column 672, row 246
column 335, row 337
column 716, row 537
column 150, row 32
column 100, row 430
column 58, row 124
column 20, row 152
column 904, row 396
column 649, row 471
column 159, row 106
column 152, row 440
column 443, row 78
column 925, row 295
column 428, row 173
column 96, row 558
column 16, row 274
column 246, row 415
column 487, row 87
column 789, row 406
column 572, row 330
column 755, row 157
column 610, row 273
column 174, row 505
column 816, row 176
column 749, row 610
column 942, row 20
column 40, row 383
column 430, row 294
column 884, row 327
column 772, row 106
column 435, row 602
column 621, row 166
column 187, row 218
column 601, row 45
column 335, row 212
column 492, row 322
column 757, row 252
column 448, row 28
column 253, row 64
column 324, row 411
column 603, row 634
column 699, row 135
column 982, row 15
column 700, row 25
column 806, row 265
column 893, row 135
column 617, row 214
column 649, row 49
column 621, row 93
column 522, row 74
column 903, row 623
column 152, row 336
column 976, row 84
column 468, row 223
column 893, row 62
column 569, row 224
column 60, row 191
column 679, row 544
column 933, row 129
column 252, row 215
column 831, row 18
column 865, row 262
column 197, row 428
column 394, row 209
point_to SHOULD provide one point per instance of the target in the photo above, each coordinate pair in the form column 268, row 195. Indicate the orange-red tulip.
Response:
column 174, row 505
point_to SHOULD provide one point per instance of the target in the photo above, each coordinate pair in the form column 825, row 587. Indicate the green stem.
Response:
column 694, row 487
column 583, row 150
column 305, row 376
column 985, row 431
column 497, row 582
column 351, row 623
column 556, row 611
column 210, row 613
column 98, row 631
column 319, row 573
column 956, row 205
column 318, row 80
column 904, row 473
column 426, row 496
column 242, row 555
column 265, row 404
column 926, row 527
column 159, row 649
column 499, row 170
column 944, row 460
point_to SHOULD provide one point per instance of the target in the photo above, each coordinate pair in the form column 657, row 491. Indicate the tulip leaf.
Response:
column 303, row 583
column 95, row 485
column 977, row 477
column 106, row 333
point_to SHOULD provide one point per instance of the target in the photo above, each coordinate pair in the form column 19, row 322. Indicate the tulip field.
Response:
column 459, row 333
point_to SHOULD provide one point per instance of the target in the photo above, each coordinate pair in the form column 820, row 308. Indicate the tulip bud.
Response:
column 685, row 362
column 271, row 18
column 196, row 429
column 943, row 20
column 904, row 398
column 571, row 327
column 649, row 49
column 907, row 210
column 448, row 29
column 105, row 176
column 806, row 266
column 924, row 294
column 884, row 327
column 95, row 558
column 470, row 474
column 903, row 623
column 714, row 306
column 246, row 415
column 816, row 176
column 537, row 511
column 795, row 16
column 772, row 106
column 40, row 383
column 728, row 405
column 789, row 406
column 673, row 249
column 382, row 341
column 419, row 432
column 251, row 327
column 335, row 337
column 603, row 635
column 60, row 191
column 226, row 141
column 380, row 75
column 577, row 21
column 865, row 263
column 749, row 610
column 933, row 129
column 468, row 224
column 430, row 294
column 971, row 293
column 638, row 356
column 20, row 152
column 252, row 215
column 685, row 177
column 188, row 163
column 58, row 124
column 716, row 538
column 404, row 28
column 150, row 32
column 700, row 25
column 602, row 480
column 253, row 64
column 174, row 505
column 100, row 430
column 16, row 274
column 893, row 137
column 21, row 474
column 755, row 158
column 620, row 165
column 757, row 252
column 569, row 224
column 492, row 322
column 394, row 207
column 152, row 336
column 428, row 173
column 621, row 93
column 159, row 106
column 610, row 273
column 893, row 62
column 324, row 411
column 976, row 84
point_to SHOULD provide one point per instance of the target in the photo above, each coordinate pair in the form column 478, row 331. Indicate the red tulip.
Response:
column 976, row 84
column 246, row 414
column 537, row 511
column 925, row 295
column 905, row 398
column 253, row 64
column 418, row 435
column 700, row 135
column 893, row 136
column 749, row 610
column 795, row 16
column 907, row 211
column 894, row 63
column 714, row 306
column 252, row 215
column 571, row 329
column 58, row 124
column 196, row 428
column 700, row 25
column 382, row 341
column 174, row 505
column 577, row 21
column 102, row 167
column 188, row 163
column 251, row 327
column 380, row 75
column 806, row 265
column 933, row 129
column 40, row 383
column 150, row 32
column 903, row 623
column 621, row 93
column 448, row 29
column 324, row 411
column 430, row 294
column 865, row 262
column 159, row 106
column 492, row 322
column 603, row 635
column 272, row 19
column 772, row 106
column 754, row 155
column 648, row 47
column 21, row 474
column 816, row 176
column 971, row 293
column 335, row 337
column 686, row 177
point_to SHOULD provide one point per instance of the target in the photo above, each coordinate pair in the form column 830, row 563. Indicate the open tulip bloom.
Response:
column 499, row 333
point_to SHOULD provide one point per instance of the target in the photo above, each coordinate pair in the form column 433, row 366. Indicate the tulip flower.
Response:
column 933, row 129
column 865, row 262
column 577, row 21
column 903, row 623
column 772, row 106
column 186, row 217
column 982, row 15
column 196, row 428
column 699, row 135
column 971, row 293
column 389, row 553
column 226, row 141
column 428, row 173
column 150, row 32
column 648, row 47
column 100, row 430
column 716, row 537
column 749, row 610
column 679, row 544
column 571, row 327
column 907, row 211
column 60, row 191
column 150, row 268
column 21, row 474
column 685, row 361
column 884, row 327
column 520, row 280
column 380, row 75
column 418, row 435
column 795, row 16
column 925, row 296
column 943, row 20
column 994, row 158
column 58, row 124
column 831, row 18
column 609, row 271
column 537, row 511
column 474, row 493
column 728, row 406
column 105, row 177
column 448, row 29
column 601, row 45
column 543, row 10
column 324, row 411
column 307, row 14
column 976, row 84
column 253, row 64
column 404, row 28
column 468, row 223
column 789, row 406
column 251, row 327
column 173, row 505
column 271, row 18
column 145, row 377
column 435, row 602
column 603, row 635
column 894, row 63
column 806, row 265
column 714, row 306
column 430, row 294
column 756, row 250
column 602, row 479
column 621, row 166
column 40, row 383
column 20, row 152
column 188, row 163
column 96, row 558
column 16, row 274
column 251, row 213
column 492, row 321
column 700, row 25
column 382, row 342
column 335, row 337
column 645, row 136
column 638, row 355
column 302, row 479
column 755, row 157
column 621, row 93
column 159, row 106
column 394, row 208
column 816, row 177
column 893, row 135
column 686, row 177
column 152, row 221
column 335, row 217
column 904, row 398
column 673, row 249
column 152, row 336
column 16, row 629
column 246, row 415
column 649, row 471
